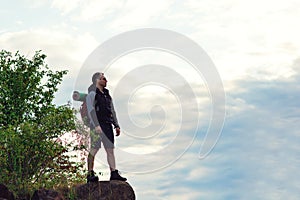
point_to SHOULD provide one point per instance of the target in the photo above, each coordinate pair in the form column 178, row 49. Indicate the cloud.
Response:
column 95, row 10
column 257, row 156
column 62, row 45
column 246, row 37
column 66, row 6
column 136, row 13
column 87, row 11
column 123, row 14
column 36, row 3
column 64, row 51
column 259, row 139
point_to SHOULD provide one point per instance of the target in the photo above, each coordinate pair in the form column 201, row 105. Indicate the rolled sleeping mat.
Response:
column 79, row 96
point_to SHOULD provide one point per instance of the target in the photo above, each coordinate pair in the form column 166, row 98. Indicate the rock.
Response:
column 105, row 190
column 5, row 194
column 43, row 194
column 121, row 190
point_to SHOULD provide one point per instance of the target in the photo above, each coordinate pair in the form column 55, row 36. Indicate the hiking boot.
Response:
column 91, row 177
column 114, row 175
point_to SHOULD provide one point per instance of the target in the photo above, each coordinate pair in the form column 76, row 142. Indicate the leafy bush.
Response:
column 32, row 154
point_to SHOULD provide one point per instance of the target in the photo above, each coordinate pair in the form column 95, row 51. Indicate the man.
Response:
column 102, row 116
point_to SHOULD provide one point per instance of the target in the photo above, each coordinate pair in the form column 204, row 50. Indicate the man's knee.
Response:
column 110, row 151
column 93, row 152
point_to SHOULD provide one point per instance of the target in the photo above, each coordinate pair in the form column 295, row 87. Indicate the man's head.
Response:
column 99, row 79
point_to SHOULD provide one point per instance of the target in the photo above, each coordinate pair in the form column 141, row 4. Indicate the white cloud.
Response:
column 66, row 6
column 124, row 14
column 247, row 37
column 64, row 51
column 94, row 10
column 259, row 139
column 185, row 194
column 61, row 47
column 199, row 173
column 37, row 3
column 137, row 13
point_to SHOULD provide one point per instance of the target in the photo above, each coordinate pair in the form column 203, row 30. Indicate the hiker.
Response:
column 102, row 116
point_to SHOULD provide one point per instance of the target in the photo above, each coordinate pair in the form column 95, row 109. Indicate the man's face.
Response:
column 102, row 81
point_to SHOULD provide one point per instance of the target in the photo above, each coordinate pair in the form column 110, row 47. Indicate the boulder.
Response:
column 102, row 190
column 105, row 190
column 5, row 194
column 43, row 194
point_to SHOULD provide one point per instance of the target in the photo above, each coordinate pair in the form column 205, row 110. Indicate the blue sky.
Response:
column 255, row 47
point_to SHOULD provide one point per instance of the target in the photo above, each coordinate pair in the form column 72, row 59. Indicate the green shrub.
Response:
column 31, row 154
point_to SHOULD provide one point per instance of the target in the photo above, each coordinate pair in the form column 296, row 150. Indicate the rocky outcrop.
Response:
column 103, row 190
column 47, row 195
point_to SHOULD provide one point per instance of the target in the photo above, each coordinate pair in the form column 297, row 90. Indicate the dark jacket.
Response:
column 103, row 106
column 100, row 107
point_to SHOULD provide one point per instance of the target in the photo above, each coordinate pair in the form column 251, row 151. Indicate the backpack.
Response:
column 84, row 114
column 79, row 96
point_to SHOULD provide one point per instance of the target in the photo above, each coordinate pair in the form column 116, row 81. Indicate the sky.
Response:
column 166, row 107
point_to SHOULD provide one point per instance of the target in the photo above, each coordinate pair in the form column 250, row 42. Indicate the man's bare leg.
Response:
column 91, row 159
column 91, row 177
column 114, row 174
column 111, row 158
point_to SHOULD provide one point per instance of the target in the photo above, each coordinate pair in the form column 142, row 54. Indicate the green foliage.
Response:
column 31, row 153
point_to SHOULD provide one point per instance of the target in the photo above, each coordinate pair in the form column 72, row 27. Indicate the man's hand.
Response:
column 118, row 131
column 98, row 129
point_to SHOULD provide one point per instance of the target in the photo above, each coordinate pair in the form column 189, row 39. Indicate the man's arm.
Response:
column 90, row 103
column 114, row 116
